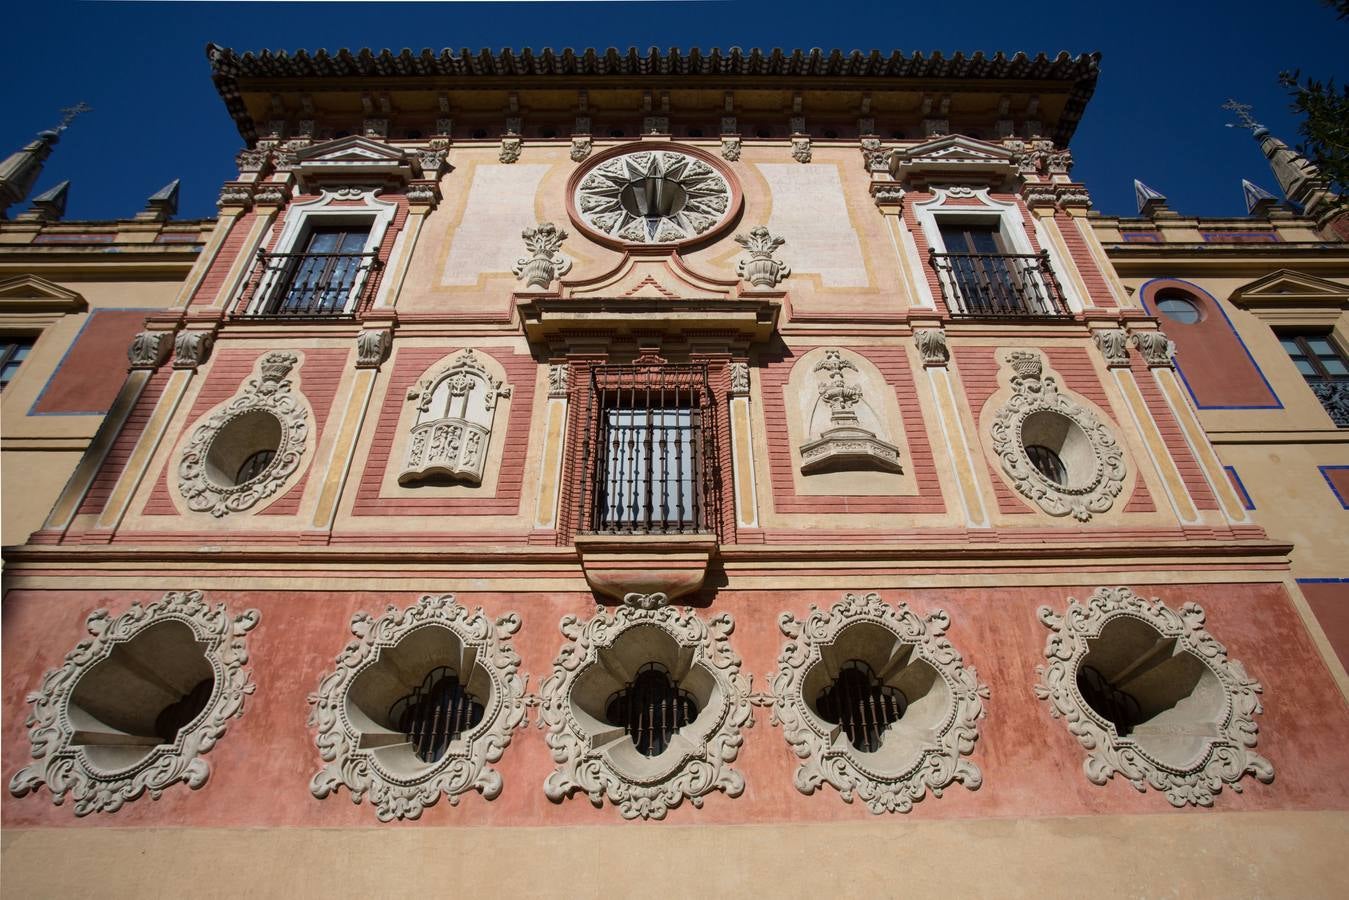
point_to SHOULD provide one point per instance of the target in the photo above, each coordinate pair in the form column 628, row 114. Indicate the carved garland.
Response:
column 828, row 756
column 714, row 743
column 64, row 766
column 1032, row 392
column 1228, row 754
column 269, row 393
column 465, row 765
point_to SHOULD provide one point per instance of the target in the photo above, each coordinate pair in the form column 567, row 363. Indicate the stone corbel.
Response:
column 273, row 194
column 801, row 151
column 931, row 344
column 874, row 156
column 581, row 145
column 887, row 194
column 236, row 194
column 730, row 148
column 1157, row 351
column 372, row 347
column 150, row 349
column 191, row 348
column 423, row 194
column 673, row 565
column 510, row 150
column 1113, row 344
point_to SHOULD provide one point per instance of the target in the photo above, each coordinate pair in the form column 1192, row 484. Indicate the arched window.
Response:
column 1178, row 308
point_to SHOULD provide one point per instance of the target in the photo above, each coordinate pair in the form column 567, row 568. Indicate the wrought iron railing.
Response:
column 651, row 709
column 435, row 713
column 307, row 285
column 1334, row 396
column 999, row 285
column 650, row 452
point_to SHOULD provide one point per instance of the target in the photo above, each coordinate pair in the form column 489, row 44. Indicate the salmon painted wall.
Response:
column 1032, row 766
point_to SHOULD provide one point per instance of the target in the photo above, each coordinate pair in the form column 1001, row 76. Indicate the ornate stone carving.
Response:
column 1037, row 414
column 254, row 160
column 759, row 268
column 1153, row 346
column 372, row 347
column 931, row 344
column 510, row 150
column 235, row 194
column 630, row 197
column 558, row 375
column 887, row 194
column 801, row 151
column 739, row 379
column 1112, row 344
column 72, row 759
column 271, row 194
column 874, row 156
column 1188, row 749
column 923, row 749
column 358, row 755
column 432, row 162
column 646, row 601
column 456, row 412
column 599, row 656
column 264, row 416
column 730, row 149
column 845, row 444
column 581, row 147
column 423, row 193
column 149, row 349
column 190, row 348
column 546, row 261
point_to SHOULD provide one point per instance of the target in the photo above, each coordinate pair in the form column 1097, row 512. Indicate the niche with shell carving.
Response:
column 456, row 410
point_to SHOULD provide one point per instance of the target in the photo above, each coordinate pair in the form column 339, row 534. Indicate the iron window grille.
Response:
column 435, row 713
column 1048, row 463
column 650, row 456
column 861, row 705
column 331, row 278
column 999, row 285
column 1326, row 369
column 1121, row 709
column 651, row 709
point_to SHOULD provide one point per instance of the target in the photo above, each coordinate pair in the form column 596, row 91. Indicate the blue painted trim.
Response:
column 1325, row 470
column 1147, row 306
column 1240, row 485
column 1323, row 581
column 32, row 410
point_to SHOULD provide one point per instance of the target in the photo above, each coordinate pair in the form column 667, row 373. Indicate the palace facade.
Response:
column 768, row 454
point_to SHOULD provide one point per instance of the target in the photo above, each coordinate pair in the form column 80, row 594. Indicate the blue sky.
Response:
column 1167, row 68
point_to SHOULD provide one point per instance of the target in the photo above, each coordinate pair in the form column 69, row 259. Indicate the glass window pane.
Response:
column 1290, row 346
column 1305, row 367
column 1320, row 346
column 354, row 241
column 1178, row 309
column 323, row 242
column 7, row 372
column 1335, row 366
column 20, row 352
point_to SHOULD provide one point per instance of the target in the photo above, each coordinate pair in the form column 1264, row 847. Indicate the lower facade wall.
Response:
column 1031, row 765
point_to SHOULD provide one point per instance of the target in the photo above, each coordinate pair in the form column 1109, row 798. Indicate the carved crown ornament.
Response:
column 248, row 450
column 1038, row 418
column 369, row 753
column 455, row 418
column 625, row 197
column 94, row 719
column 1152, row 696
column 608, row 652
column 938, row 698
column 843, row 443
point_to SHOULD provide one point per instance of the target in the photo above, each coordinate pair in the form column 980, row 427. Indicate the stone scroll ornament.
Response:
column 591, row 759
column 928, row 755
column 1095, row 481
column 395, row 791
column 63, row 763
column 270, row 393
column 545, row 262
column 759, row 267
column 456, row 414
column 1219, row 728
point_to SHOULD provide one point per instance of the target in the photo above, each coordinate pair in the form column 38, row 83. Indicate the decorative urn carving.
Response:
column 760, row 268
column 546, row 262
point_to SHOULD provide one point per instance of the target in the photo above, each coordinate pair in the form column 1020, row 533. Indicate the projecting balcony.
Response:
column 999, row 286
column 308, row 285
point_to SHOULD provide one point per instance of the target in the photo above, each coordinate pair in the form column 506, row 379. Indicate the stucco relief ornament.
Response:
column 653, row 197
column 730, row 149
column 558, row 377
column 931, row 344
column 801, row 151
column 455, row 421
column 599, row 759
column 190, row 348
column 921, row 751
column 1093, row 459
column 1157, row 351
column 372, row 347
column 510, row 150
column 1188, row 750
column 545, row 262
column 740, row 379
column 202, row 483
column 759, row 268
column 844, row 444
column 581, row 147
column 149, row 349
column 1113, row 344
column 358, row 752
column 74, row 762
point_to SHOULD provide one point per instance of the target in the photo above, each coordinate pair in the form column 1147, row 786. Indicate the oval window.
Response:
column 1178, row 309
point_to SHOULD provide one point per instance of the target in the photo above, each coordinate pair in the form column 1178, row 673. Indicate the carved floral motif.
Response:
column 740, row 379
column 730, row 149
column 558, row 376
column 510, row 150
column 1112, row 344
column 601, row 205
column 456, row 414
column 63, row 764
column 363, row 770
column 1157, row 351
column 546, row 262
column 149, row 349
column 801, row 151
column 759, row 267
column 1227, row 739
column 190, row 348
column 372, row 347
column 931, row 344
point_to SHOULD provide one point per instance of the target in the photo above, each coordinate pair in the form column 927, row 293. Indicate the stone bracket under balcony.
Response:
column 849, row 447
column 671, row 564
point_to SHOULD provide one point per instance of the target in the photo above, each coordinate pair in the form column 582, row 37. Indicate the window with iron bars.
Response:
column 650, row 452
column 328, row 279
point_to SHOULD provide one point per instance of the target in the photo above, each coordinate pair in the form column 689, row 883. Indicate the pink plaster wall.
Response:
column 1032, row 766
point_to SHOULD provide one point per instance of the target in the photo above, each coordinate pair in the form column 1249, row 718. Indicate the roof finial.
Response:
column 19, row 171
column 1149, row 199
column 69, row 113
column 1258, row 200
column 1300, row 180
column 1243, row 111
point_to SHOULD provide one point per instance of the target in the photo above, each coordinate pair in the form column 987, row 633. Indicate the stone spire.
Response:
column 1300, row 181
column 49, row 206
column 20, row 170
column 1149, row 199
column 1258, row 200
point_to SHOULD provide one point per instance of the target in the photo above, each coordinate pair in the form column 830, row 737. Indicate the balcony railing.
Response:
column 999, row 285
column 307, row 285
column 1334, row 396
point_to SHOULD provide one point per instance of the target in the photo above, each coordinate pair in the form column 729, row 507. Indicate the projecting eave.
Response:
column 248, row 82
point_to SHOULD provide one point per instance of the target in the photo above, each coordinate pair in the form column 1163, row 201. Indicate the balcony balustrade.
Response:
column 308, row 285
column 999, row 285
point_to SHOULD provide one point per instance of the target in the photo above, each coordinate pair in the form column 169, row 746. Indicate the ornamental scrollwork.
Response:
column 927, row 746
column 1206, row 741
column 653, row 197
column 455, row 421
column 1113, row 344
column 270, row 394
column 1095, row 468
column 149, row 349
column 1156, row 349
column 399, row 784
column 696, row 763
column 70, row 767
